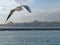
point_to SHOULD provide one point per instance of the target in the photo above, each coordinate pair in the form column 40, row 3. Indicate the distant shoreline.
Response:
column 27, row 28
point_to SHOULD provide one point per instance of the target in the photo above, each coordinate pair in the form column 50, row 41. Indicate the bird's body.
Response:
column 19, row 8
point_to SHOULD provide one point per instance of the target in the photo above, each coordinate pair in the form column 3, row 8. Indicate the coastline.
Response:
column 27, row 28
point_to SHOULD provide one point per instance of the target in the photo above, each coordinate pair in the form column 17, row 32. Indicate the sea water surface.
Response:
column 30, row 37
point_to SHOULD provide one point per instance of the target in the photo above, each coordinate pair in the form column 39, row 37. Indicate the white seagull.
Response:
column 19, row 8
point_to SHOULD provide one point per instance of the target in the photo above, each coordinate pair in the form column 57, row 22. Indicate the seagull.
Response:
column 19, row 8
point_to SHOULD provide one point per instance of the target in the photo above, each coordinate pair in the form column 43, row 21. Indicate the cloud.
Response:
column 3, row 10
column 7, row 3
column 23, row 1
column 45, row 15
column 51, row 15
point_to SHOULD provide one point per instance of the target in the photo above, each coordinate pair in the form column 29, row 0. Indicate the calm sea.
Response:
column 30, row 37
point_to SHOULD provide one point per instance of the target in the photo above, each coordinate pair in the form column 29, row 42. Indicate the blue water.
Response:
column 31, row 37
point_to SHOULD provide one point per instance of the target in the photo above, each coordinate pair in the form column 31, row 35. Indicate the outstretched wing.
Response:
column 11, row 12
column 28, row 8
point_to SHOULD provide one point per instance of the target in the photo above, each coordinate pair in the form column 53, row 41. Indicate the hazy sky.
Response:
column 42, row 10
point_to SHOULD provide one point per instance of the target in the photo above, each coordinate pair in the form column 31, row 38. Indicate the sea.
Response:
column 41, row 37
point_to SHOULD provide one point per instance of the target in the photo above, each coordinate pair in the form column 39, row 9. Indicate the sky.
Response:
column 42, row 10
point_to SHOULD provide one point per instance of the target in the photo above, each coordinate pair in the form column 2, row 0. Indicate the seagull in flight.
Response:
column 19, row 8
